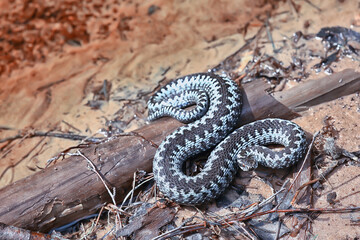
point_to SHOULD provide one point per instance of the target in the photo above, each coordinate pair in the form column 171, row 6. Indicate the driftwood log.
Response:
column 68, row 190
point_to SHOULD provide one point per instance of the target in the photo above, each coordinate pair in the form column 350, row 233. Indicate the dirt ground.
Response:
column 57, row 57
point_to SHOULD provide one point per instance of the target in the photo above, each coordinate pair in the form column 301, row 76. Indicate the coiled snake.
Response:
column 216, row 112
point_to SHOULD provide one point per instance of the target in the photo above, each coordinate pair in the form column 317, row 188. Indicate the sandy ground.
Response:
column 344, row 181
column 135, row 45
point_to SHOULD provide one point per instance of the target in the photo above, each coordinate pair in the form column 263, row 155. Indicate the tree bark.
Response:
column 68, row 190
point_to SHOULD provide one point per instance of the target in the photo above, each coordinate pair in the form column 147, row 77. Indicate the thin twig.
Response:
column 277, row 235
column 264, row 202
column 313, row 5
column 196, row 227
column 300, row 170
column 130, row 193
column 133, row 187
column 95, row 170
column 53, row 134
column 162, row 236
column 112, row 194
column 71, row 126
column 222, row 218
column 268, row 32
column 98, row 217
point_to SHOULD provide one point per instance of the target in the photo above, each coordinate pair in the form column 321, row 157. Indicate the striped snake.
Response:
column 216, row 107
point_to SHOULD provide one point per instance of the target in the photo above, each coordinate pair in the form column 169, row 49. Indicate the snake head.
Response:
column 246, row 162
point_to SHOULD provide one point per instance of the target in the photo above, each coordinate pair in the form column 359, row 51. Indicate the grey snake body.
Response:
column 211, row 123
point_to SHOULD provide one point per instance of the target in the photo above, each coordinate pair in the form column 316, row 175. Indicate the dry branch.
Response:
column 69, row 190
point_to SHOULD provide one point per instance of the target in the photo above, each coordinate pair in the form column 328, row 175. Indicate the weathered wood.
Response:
column 69, row 190
column 328, row 88
column 14, row 233
column 147, row 225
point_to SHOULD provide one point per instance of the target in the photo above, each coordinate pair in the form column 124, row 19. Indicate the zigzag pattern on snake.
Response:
column 212, row 121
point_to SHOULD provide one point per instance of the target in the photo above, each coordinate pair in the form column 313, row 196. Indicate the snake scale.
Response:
column 216, row 107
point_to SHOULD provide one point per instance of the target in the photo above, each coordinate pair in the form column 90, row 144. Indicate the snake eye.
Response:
column 246, row 161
